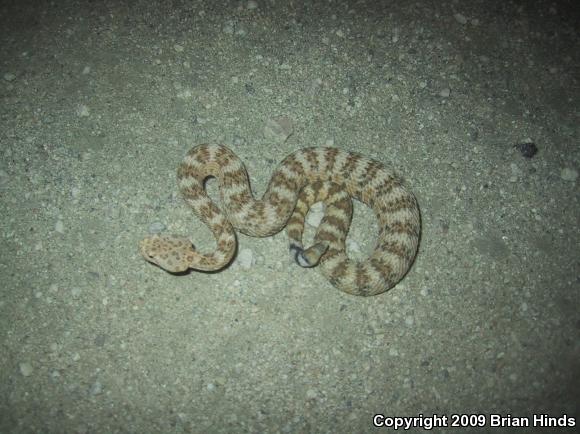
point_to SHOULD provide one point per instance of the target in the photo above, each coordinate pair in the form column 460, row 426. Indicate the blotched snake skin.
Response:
column 304, row 177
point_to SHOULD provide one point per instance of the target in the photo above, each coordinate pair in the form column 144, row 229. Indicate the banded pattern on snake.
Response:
column 304, row 177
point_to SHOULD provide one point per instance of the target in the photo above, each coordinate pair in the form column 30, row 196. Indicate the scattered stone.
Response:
column 568, row 174
column 83, row 111
column 250, row 89
column 26, row 369
column 96, row 388
column 4, row 177
column 156, row 227
column 278, row 129
column 252, row 5
column 54, row 375
column 311, row 394
column 527, row 149
column 445, row 93
column 352, row 246
column 516, row 173
column 9, row 76
column 228, row 28
column 245, row 259
column 59, row 227
column 460, row 18
column 178, row 48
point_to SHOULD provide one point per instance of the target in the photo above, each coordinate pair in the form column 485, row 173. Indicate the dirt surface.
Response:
column 475, row 103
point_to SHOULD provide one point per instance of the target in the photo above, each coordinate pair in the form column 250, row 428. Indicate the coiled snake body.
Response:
column 306, row 176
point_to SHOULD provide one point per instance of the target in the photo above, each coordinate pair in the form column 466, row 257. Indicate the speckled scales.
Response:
column 307, row 175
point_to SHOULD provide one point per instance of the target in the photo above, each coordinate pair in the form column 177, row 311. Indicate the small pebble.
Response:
column 353, row 246
column 252, row 5
column 156, row 227
column 83, row 111
column 228, row 28
column 26, row 369
column 245, row 259
column 460, row 18
column 445, row 92
column 4, row 177
column 568, row 174
column 527, row 149
column 311, row 394
column 96, row 388
column 278, row 129
column 59, row 227
column 9, row 76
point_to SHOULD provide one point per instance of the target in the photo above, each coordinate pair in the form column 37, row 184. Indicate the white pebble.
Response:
column 26, row 369
column 279, row 129
column 156, row 227
column 96, row 388
column 352, row 246
column 59, row 227
column 445, row 92
column 83, row 111
column 252, row 5
column 9, row 76
column 568, row 174
column 460, row 19
column 245, row 259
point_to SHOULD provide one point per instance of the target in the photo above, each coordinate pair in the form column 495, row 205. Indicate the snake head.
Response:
column 173, row 253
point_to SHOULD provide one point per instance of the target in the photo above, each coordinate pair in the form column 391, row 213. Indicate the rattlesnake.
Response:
column 304, row 177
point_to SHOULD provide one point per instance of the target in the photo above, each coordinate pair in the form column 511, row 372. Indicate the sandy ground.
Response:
column 475, row 103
